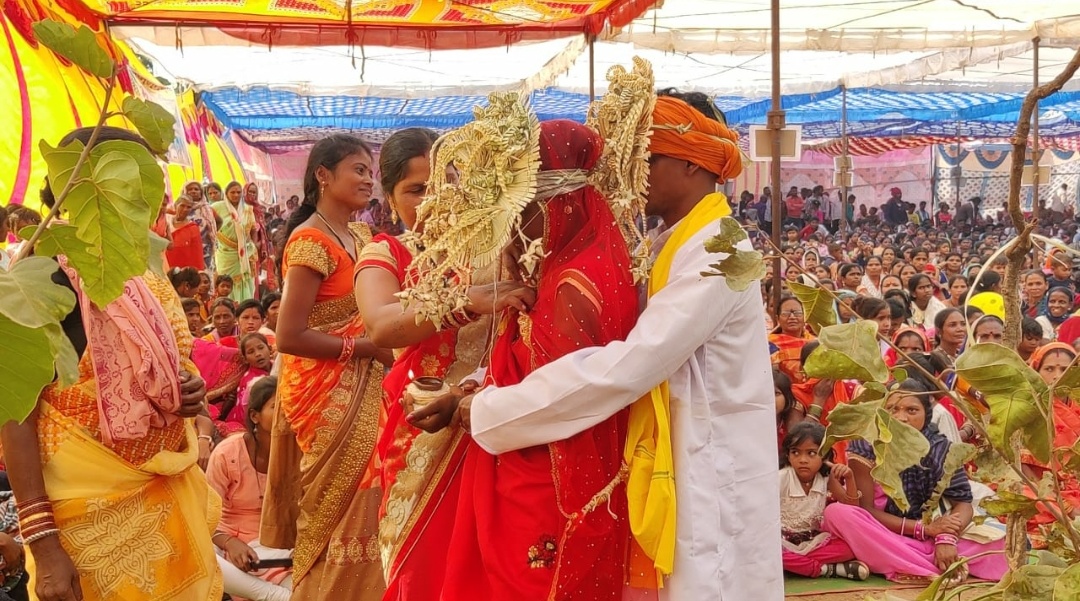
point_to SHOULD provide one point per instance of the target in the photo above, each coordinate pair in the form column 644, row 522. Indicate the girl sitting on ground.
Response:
column 807, row 481
column 259, row 358
column 238, row 473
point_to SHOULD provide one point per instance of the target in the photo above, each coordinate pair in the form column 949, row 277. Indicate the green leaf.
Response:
column 65, row 359
column 817, row 304
column 80, row 47
column 1005, row 502
column 871, row 391
column 899, row 374
column 897, row 446
column 103, row 278
column 107, row 240
column 959, row 454
column 848, row 351
column 155, row 124
column 726, row 240
column 1016, row 394
column 151, row 177
column 1030, row 583
column 992, row 470
column 26, row 367
column 740, row 269
column 1067, row 585
column 1046, row 558
column 30, row 298
column 158, row 245
column 1069, row 381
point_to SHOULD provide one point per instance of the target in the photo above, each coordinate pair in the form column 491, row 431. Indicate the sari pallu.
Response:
column 549, row 522
column 133, row 508
column 236, row 254
column 785, row 351
column 323, row 489
column 420, row 470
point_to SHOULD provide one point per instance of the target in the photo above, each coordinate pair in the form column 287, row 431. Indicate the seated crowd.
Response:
column 917, row 279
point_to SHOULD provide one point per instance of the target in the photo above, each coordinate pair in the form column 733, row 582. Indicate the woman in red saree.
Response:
column 420, row 470
column 186, row 248
column 323, row 487
column 550, row 522
column 1051, row 361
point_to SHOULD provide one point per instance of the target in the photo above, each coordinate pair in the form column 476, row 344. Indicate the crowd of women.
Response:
column 926, row 288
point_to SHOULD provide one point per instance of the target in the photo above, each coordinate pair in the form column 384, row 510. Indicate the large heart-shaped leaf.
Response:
column 726, row 240
column 1017, row 396
column 817, row 304
column 26, row 367
column 1030, row 583
column 740, row 269
column 155, row 124
column 107, row 240
column 897, row 446
column 992, row 470
column 103, row 276
column 80, row 47
column 959, row 453
column 29, row 297
column 848, row 351
column 151, row 177
column 1067, row 585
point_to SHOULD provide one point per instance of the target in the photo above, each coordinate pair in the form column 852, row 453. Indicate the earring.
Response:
column 322, row 188
column 394, row 216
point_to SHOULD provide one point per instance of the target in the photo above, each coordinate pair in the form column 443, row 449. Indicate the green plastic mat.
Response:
column 795, row 586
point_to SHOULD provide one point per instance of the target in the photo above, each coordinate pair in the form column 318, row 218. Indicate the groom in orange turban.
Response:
column 692, row 150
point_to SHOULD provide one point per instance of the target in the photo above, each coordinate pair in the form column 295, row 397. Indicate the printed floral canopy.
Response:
column 417, row 23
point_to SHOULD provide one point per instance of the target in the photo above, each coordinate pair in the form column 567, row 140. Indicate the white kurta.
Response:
column 707, row 341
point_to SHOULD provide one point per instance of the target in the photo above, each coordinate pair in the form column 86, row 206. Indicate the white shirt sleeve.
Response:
column 587, row 386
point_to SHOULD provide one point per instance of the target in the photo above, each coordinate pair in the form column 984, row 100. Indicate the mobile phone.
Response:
column 265, row 564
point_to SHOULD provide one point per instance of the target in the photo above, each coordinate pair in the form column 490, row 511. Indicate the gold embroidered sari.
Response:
column 135, row 515
column 323, row 490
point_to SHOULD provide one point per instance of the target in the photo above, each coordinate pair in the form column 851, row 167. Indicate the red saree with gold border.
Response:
column 549, row 522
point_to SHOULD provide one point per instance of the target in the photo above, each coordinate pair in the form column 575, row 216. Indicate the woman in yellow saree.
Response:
column 112, row 502
column 323, row 487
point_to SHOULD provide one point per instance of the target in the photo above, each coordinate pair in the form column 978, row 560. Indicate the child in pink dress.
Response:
column 806, row 483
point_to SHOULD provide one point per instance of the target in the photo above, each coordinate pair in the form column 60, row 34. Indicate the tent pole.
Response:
column 958, row 178
column 1036, row 200
column 776, row 122
column 845, row 171
column 592, row 69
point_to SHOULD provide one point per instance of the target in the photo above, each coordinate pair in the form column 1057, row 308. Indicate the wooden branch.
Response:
column 1010, row 288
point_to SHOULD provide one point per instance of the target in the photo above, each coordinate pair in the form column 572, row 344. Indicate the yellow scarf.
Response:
column 650, row 487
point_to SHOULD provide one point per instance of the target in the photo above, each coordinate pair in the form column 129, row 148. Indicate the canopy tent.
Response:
column 413, row 23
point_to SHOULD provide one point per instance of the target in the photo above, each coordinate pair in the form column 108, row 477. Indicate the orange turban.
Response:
column 680, row 131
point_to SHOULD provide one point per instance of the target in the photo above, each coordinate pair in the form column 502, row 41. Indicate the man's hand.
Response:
column 435, row 415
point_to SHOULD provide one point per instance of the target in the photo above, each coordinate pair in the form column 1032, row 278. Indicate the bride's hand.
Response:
column 494, row 298
column 435, row 415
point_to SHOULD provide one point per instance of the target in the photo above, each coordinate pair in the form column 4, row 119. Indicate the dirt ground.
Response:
column 908, row 594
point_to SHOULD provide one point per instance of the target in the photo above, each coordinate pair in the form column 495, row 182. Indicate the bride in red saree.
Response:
column 549, row 522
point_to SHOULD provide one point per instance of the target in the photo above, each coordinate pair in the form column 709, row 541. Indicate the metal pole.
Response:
column 1036, row 201
column 846, row 170
column 776, row 122
column 592, row 69
column 958, row 178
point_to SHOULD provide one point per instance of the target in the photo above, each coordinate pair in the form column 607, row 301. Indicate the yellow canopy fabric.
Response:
column 47, row 98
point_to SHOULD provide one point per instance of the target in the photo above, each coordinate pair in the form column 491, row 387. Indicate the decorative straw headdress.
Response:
column 467, row 224
column 623, row 117
column 497, row 156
